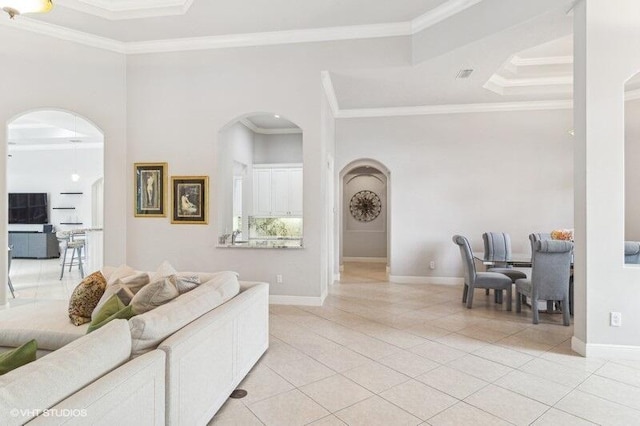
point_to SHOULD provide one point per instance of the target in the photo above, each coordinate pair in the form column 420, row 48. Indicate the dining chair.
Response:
column 10, row 256
column 544, row 236
column 66, row 244
column 631, row 252
column 497, row 245
column 474, row 279
column 550, row 275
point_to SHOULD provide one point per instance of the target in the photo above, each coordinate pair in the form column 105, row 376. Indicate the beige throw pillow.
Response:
column 185, row 283
column 155, row 294
column 85, row 297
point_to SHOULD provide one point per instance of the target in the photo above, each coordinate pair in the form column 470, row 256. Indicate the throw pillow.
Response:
column 164, row 270
column 85, row 298
column 155, row 294
column 110, row 307
column 120, row 272
column 124, row 313
column 185, row 283
column 125, row 288
column 18, row 357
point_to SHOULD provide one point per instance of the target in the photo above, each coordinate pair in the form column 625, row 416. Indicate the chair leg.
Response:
column 518, row 301
column 509, row 297
column 486, row 292
column 565, row 310
column 469, row 297
column 571, row 295
column 80, row 261
column 73, row 254
column 498, row 296
column 64, row 259
column 534, row 310
column 465, row 290
column 13, row 294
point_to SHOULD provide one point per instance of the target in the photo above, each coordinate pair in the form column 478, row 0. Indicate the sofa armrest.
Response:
column 209, row 357
column 130, row 394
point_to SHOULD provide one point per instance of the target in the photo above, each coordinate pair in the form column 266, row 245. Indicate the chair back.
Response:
column 551, row 269
column 497, row 245
column 467, row 259
column 538, row 236
column 632, row 252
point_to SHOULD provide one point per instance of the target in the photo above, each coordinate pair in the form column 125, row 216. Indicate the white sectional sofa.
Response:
column 174, row 365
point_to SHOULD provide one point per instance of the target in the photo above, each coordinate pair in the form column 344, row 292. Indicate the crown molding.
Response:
column 255, row 129
column 541, row 61
column 128, row 9
column 500, row 81
column 455, row 109
column 63, row 33
column 141, row 8
column 63, row 146
column 330, row 92
column 440, row 13
column 270, row 38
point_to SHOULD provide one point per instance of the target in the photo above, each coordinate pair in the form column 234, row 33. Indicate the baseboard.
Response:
column 297, row 300
column 597, row 350
column 336, row 277
column 398, row 279
column 365, row 259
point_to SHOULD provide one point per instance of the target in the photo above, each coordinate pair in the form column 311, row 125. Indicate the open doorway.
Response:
column 364, row 234
column 54, row 181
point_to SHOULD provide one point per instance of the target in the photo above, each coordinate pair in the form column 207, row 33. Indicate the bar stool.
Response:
column 10, row 256
column 76, row 247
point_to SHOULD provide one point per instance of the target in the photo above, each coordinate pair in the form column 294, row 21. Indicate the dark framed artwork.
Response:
column 150, row 189
column 190, row 199
column 365, row 206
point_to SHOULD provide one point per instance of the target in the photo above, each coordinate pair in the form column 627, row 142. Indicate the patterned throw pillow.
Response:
column 125, row 288
column 185, row 283
column 155, row 294
column 85, row 297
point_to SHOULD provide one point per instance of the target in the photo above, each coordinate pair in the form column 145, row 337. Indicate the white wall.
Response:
column 39, row 72
column 465, row 174
column 180, row 101
column 50, row 171
column 364, row 239
column 285, row 148
column 606, row 39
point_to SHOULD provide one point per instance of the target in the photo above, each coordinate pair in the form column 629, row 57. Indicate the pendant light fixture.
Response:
column 18, row 7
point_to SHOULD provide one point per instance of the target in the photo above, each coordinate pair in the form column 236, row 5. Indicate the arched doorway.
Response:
column 54, row 159
column 364, row 233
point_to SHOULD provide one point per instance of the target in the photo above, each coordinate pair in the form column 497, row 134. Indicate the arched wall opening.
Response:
column 55, row 157
column 365, row 213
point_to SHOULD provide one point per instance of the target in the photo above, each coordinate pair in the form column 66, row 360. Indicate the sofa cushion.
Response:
column 125, row 287
column 18, row 357
column 47, row 322
column 85, row 297
column 155, row 294
column 151, row 328
column 52, row 378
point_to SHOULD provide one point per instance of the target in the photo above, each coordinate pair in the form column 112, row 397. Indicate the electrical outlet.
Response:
column 432, row 265
column 616, row 319
column 279, row 279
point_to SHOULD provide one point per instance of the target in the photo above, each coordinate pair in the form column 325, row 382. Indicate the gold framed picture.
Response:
column 150, row 189
column 190, row 199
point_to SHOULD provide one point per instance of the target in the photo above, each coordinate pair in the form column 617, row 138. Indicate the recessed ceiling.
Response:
column 213, row 18
column 270, row 124
column 128, row 9
column 52, row 130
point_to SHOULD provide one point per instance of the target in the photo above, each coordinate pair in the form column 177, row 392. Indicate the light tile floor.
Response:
column 379, row 353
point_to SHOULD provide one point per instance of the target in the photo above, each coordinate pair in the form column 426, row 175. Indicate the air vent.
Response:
column 75, row 140
column 464, row 73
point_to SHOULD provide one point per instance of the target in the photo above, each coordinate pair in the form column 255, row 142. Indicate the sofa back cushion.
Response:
column 151, row 328
column 47, row 381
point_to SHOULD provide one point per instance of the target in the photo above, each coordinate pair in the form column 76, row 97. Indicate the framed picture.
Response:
column 190, row 199
column 150, row 189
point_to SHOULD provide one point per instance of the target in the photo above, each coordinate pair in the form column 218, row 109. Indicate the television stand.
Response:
column 34, row 245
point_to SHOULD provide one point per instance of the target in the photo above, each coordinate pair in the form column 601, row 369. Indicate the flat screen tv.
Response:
column 28, row 208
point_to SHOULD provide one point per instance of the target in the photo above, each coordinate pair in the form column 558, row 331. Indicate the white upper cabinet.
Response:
column 277, row 191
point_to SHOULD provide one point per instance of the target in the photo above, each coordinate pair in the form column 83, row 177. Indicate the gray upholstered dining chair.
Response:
column 549, row 277
column 497, row 245
column 632, row 252
column 473, row 279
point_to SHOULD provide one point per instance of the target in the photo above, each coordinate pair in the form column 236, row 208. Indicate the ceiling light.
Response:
column 17, row 7
column 464, row 73
column 276, row 116
column 75, row 177
column 572, row 132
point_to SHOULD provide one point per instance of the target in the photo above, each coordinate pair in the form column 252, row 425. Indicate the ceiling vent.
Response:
column 464, row 73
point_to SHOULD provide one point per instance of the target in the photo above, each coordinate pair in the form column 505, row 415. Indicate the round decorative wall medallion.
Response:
column 365, row 206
